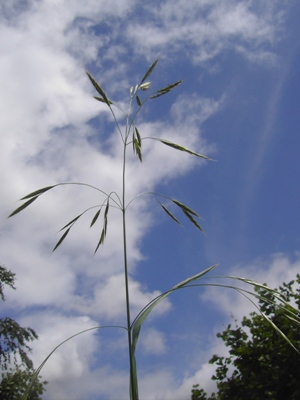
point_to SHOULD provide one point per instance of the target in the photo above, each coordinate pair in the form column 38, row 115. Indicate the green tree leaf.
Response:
column 262, row 362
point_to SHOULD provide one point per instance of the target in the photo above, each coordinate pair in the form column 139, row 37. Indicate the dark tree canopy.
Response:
column 16, row 367
column 261, row 365
column 6, row 278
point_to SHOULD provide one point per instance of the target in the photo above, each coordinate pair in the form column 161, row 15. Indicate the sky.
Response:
column 238, row 104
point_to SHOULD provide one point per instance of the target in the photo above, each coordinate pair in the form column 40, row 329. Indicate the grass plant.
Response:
column 132, row 140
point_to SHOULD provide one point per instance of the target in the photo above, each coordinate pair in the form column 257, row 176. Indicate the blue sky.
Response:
column 239, row 104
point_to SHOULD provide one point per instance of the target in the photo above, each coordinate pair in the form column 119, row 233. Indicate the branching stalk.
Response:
column 133, row 389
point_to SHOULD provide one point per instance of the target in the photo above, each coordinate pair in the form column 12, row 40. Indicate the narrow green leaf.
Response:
column 279, row 331
column 99, row 89
column 165, row 90
column 102, row 100
column 181, row 148
column 184, row 207
column 137, row 149
column 106, row 209
column 138, row 136
column 193, row 220
column 61, row 239
column 23, row 206
column 95, row 217
column 149, row 71
column 138, row 100
column 38, row 192
column 105, row 226
column 137, row 323
column 71, row 222
column 101, row 240
column 170, row 214
column 169, row 87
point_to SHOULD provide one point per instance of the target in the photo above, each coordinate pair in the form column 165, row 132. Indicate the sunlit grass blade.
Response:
column 61, row 239
column 165, row 90
column 170, row 214
column 279, row 331
column 23, row 206
column 181, row 148
column 148, row 73
column 99, row 89
column 95, row 217
column 137, row 323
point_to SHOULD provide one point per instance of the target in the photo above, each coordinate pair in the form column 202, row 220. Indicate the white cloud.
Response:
column 47, row 137
column 153, row 342
column 273, row 271
column 203, row 29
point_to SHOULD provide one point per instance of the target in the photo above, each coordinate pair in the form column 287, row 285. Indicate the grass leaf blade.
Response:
column 185, row 208
column 138, row 100
column 71, row 222
column 193, row 221
column 38, row 192
column 23, row 206
column 170, row 214
column 165, row 90
column 137, row 323
column 61, row 239
column 181, row 148
column 95, row 217
column 138, row 136
column 101, row 240
column 149, row 72
column 99, row 89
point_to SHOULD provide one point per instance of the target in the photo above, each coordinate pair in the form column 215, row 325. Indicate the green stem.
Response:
column 134, row 390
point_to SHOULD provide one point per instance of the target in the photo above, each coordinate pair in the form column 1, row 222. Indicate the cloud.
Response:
column 204, row 29
column 153, row 342
column 273, row 271
column 54, row 131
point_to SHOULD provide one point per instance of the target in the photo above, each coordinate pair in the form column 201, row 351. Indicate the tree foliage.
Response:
column 261, row 364
column 16, row 367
